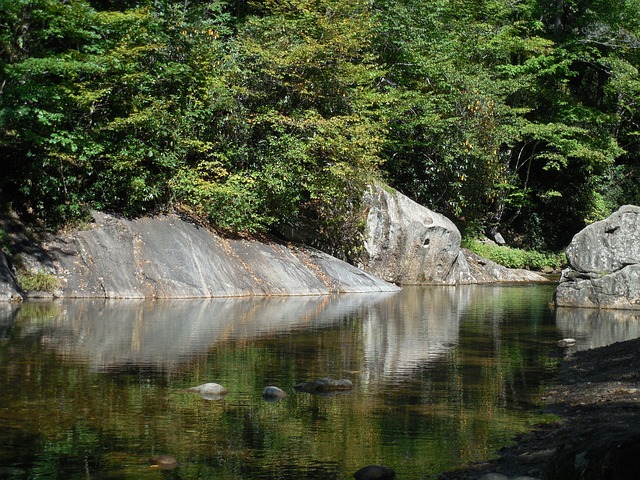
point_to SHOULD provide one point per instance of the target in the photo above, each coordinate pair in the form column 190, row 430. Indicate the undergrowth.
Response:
column 515, row 257
column 38, row 281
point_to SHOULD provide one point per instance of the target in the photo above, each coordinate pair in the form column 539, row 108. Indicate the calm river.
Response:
column 442, row 376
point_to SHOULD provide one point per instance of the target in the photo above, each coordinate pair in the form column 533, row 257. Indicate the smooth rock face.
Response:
column 167, row 257
column 407, row 243
column 604, row 264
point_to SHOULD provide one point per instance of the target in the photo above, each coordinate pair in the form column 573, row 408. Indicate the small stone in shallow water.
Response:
column 325, row 385
column 375, row 472
column 164, row 462
column 565, row 342
column 209, row 391
column 493, row 476
column 273, row 394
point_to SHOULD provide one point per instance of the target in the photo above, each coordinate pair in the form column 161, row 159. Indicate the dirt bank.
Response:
column 593, row 388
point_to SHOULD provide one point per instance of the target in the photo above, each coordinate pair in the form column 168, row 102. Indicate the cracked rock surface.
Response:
column 604, row 264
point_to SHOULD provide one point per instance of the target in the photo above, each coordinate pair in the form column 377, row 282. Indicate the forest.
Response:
column 511, row 116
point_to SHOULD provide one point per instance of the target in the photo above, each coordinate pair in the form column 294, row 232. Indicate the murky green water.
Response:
column 442, row 376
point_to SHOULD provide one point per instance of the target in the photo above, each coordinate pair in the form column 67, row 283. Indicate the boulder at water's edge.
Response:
column 409, row 244
column 604, row 264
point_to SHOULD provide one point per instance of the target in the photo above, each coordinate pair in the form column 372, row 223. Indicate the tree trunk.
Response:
column 558, row 21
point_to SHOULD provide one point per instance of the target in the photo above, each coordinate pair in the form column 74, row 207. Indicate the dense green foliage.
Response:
column 513, row 116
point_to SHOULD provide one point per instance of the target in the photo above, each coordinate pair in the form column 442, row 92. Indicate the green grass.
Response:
column 515, row 257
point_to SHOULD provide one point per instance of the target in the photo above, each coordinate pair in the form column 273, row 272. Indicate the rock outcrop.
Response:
column 604, row 264
column 8, row 286
column 168, row 257
column 409, row 244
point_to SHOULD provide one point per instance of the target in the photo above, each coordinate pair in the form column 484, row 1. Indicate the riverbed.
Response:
column 442, row 377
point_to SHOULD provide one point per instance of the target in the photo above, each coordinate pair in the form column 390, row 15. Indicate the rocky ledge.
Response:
column 172, row 257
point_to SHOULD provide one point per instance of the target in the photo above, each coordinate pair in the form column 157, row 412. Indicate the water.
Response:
column 442, row 376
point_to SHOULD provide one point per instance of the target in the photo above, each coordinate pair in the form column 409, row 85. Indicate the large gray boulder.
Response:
column 604, row 264
column 168, row 257
column 409, row 244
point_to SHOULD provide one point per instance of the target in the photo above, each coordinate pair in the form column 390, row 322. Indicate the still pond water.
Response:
column 442, row 376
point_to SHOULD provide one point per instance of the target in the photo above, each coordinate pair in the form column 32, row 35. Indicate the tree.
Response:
column 307, row 138
column 495, row 122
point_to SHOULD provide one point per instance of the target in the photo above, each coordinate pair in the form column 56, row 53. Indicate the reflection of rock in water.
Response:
column 209, row 391
column 161, row 334
column 417, row 326
column 594, row 328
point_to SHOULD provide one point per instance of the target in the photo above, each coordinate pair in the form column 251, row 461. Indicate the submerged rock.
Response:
column 209, row 391
column 375, row 472
column 325, row 385
column 273, row 394
column 164, row 462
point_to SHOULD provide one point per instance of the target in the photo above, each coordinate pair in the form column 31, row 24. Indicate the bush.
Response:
column 515, row 257
column 38, row 281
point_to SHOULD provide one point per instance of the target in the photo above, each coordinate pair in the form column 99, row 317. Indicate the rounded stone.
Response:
column 272, row 393
column 375, row 472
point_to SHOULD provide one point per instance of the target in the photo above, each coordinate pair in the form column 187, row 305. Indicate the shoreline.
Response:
column 594, row 391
